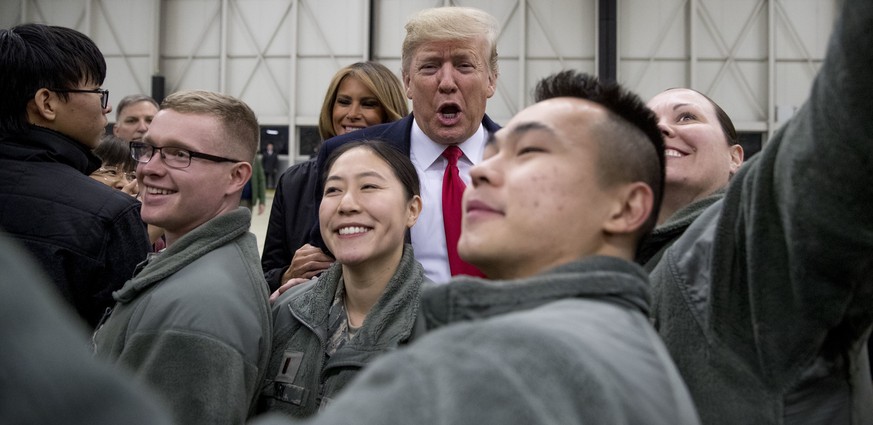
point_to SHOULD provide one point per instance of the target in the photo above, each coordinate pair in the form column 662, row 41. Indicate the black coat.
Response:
column 87, row 236
column 270, row 161
column 290, row 219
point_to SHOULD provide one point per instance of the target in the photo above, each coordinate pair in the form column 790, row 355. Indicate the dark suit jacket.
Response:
column 397, row 133
column 270, row 161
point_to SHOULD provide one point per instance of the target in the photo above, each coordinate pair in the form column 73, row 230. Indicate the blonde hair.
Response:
column 239, row 121
column 376, row 78
column 449, row 23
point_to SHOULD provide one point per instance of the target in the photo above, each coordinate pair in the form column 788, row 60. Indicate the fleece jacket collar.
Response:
column 467, row 298
column 389, row 319
column 207, row 237
column 678, row 222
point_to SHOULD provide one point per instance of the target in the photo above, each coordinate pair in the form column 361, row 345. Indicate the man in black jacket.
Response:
column 87, row 236
column 270, row 161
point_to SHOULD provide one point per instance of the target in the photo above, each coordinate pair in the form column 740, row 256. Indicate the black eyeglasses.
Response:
column 110, row 172
column 104, row 94
column 173, row 157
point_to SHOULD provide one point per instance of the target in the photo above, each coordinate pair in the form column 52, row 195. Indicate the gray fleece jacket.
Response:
column 194, row 323
column 765, row 301
column 569, row 346
column 301, row 377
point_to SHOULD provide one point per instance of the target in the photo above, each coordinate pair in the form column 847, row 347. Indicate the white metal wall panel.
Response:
column 750, row 56
column 190, row 44
column 258, row 55
column 123, row 29
column 72, row 13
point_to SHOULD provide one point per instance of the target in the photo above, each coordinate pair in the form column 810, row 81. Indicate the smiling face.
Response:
column 356, row 107
column 449, row 83
column 699, row 159
column 536, row 202
column 134, row 120
column 365, row 211
column 179, row 200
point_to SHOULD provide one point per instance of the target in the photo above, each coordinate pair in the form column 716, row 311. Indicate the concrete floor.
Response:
column 259, row 222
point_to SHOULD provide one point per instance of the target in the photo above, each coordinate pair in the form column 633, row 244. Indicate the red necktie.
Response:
column 453, row 190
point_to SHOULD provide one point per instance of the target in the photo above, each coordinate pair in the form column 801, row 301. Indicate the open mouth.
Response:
column 449, row 112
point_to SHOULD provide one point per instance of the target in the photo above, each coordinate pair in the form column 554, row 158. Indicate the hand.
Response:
column 286, row 286
column 307, row 263
column 260, row 208
column 131, row 188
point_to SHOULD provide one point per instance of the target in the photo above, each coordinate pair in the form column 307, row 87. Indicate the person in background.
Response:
column 270, row 162
column 367, row 302
column 359, row 95
column 133, row 115
column 560, row 332
column 765, row 300
column 703, row 153
column 87, row 237
column 255, row 192
column 449, row 67
column 117, row 168
column 194, row 321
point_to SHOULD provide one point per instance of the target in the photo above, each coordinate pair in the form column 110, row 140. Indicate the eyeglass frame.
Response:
column 128, row 175
column 104, row 94
column 191, row 154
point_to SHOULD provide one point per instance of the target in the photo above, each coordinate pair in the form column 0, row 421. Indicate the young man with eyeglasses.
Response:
column 87, row 237
column 194, row 321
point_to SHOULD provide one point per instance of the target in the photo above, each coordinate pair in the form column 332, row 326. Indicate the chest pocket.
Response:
column 283, row 385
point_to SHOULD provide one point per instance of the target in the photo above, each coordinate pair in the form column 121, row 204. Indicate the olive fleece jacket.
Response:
column 194, row 323
column 301, row 377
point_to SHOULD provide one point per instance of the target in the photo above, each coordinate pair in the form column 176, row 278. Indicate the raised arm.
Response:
column 795, row 240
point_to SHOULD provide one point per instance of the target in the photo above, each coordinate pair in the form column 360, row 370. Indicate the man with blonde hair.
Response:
column 449, row 70
column 194, row 321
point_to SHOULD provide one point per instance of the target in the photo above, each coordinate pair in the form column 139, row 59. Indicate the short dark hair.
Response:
column 35, row 56
column 400, row 163
column 116, row 152
column 624, row 153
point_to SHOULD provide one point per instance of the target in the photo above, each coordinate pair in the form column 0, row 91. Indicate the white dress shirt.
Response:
column 428, row 234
